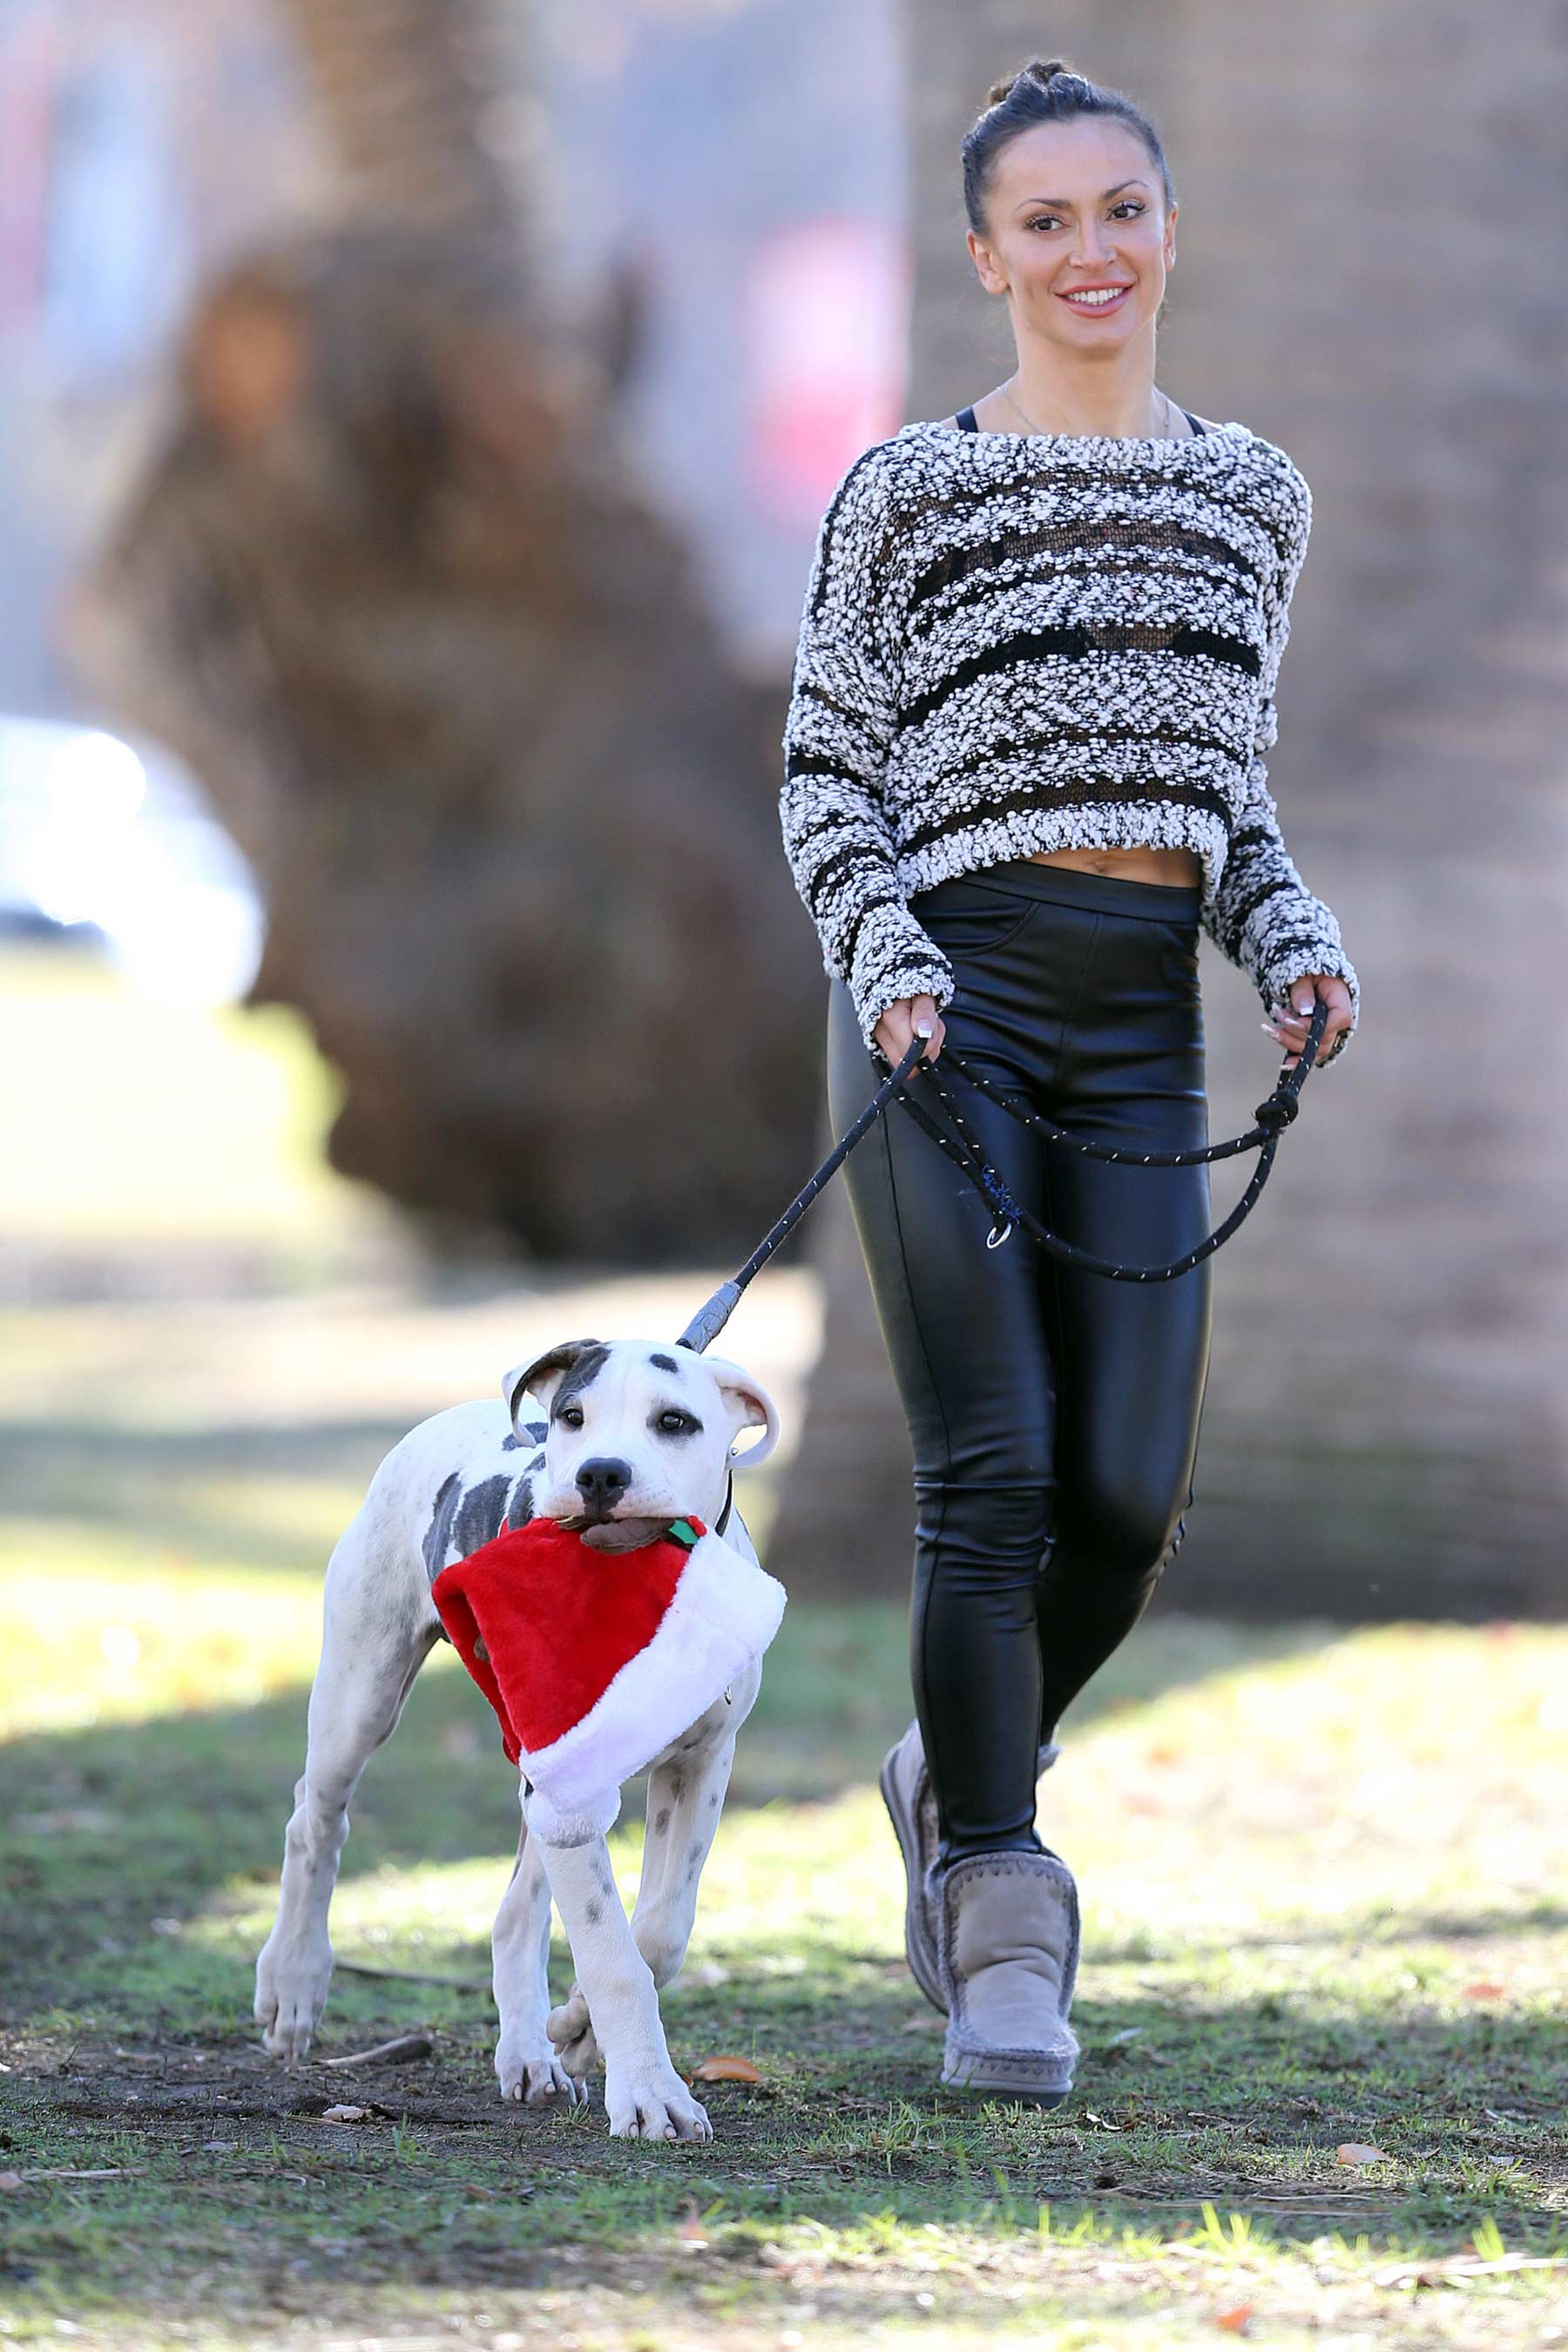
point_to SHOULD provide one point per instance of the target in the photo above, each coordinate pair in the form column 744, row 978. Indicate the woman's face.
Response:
column 1077, row 206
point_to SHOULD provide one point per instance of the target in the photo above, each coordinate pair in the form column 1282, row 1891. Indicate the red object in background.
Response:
column 825, row 344
column 29, row 69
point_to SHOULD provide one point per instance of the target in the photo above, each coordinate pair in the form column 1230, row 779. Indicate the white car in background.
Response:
column 108, row 845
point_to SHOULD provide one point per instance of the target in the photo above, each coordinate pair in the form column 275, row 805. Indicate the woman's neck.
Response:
column 1050, row 403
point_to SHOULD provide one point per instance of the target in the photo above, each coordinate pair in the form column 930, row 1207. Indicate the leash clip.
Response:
column 1000, row 1231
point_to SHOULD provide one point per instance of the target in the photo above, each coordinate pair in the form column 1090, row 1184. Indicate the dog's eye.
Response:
column 572, row 1415
column 674, row 1423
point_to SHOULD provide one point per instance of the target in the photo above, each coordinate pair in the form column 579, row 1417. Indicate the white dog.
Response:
column 630, row 1435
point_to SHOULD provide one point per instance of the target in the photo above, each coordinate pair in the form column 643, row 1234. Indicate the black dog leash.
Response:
column 1272, row 1116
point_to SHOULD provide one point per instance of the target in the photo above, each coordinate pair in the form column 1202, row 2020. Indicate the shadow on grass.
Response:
column 189, row 1489
column 106, row 1829
column 112, row 1837
column 821, row 2177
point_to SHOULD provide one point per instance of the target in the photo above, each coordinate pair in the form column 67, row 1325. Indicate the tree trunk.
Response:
column 391, row 588
column 1384, row 1434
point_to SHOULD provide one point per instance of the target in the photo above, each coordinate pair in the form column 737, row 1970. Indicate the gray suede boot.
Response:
column 1007, row 1935
column 912, row 1806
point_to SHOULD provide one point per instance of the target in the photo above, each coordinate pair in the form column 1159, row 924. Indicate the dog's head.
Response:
column 639, row 1431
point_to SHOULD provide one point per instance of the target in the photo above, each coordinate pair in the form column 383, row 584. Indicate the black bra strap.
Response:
column 967, row 422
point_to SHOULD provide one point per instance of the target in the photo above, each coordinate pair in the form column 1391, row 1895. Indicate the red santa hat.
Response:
column 594, row 1661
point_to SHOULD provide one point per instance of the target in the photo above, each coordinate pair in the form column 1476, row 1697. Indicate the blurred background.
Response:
column 419, row 414
column 418, row 417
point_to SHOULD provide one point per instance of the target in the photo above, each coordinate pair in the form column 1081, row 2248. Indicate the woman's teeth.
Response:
column 1097, row 302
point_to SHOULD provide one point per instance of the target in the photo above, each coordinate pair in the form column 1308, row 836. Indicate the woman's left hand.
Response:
column 1289, row 1020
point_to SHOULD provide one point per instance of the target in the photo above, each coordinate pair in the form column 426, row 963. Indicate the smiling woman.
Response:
column 1023, row 768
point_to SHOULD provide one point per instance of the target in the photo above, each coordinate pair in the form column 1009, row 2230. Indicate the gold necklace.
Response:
column 1008, row 396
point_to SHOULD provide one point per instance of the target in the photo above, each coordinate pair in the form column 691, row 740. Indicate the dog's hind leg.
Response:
column 377, row 1637
column 527, row 2067
column 685, row 1798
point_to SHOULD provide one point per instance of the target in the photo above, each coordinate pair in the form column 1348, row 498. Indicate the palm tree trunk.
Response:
column 392, row 586
column 424, row 108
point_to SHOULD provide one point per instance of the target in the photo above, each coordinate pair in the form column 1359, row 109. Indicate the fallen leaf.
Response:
column 688, row 2230
column 1235, row 2320
column 725, row 2068
column 1485, row 1990
column 345, row 2115
column 1356, row 2151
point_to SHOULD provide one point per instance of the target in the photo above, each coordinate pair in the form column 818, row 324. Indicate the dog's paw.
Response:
column 291, row 1994
column 534, row 2077
column 655, row 2105
column 570, row 2028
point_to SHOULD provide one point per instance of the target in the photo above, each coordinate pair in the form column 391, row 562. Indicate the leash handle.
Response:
column 1010, row 1214
column 1273, row 1114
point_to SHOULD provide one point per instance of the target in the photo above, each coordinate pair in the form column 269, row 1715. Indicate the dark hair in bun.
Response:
column 1044, row 91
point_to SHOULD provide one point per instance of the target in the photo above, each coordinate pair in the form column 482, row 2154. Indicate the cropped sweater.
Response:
column 1018, row 642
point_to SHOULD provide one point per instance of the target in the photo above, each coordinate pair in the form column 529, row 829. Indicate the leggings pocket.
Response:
column 966, row 918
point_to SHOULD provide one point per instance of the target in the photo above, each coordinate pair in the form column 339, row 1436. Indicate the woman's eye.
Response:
column 1127, row 203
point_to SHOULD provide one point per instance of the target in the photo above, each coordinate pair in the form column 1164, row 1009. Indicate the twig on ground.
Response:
column 399, row 2053
column 411, row 1976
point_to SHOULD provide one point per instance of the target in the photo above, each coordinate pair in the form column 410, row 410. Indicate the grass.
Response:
column 1321, row 1873
column 211, row 1117
column 1321, row 1882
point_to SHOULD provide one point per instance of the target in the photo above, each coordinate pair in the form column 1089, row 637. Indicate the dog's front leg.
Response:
column 685, row 1796
column 645, row 2098
column 527, row 2064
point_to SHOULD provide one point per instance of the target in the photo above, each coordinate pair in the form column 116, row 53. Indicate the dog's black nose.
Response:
column 605, row 1480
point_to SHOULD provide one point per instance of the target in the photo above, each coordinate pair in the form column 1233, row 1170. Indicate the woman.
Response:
column 1024, row 766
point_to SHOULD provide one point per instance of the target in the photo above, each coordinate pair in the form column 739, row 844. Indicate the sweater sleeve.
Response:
column 1263, row 917
column 838, row 732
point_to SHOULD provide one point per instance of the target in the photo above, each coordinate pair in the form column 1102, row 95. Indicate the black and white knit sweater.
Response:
column 1018, row 642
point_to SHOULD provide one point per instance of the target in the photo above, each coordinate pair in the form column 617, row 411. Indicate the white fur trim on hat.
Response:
column 724, row 1612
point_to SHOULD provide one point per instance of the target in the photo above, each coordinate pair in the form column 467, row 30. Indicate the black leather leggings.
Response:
column 1053, row 1414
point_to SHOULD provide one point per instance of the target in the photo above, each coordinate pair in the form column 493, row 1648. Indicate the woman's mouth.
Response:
column 1095, row 301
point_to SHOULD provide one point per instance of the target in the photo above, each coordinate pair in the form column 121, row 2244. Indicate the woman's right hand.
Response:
column 895, row 1032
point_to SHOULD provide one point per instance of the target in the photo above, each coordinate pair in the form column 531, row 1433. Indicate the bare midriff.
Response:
column 1138, row 865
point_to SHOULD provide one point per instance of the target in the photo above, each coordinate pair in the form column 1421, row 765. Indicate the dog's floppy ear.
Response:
column 542, row 1377
column 751, row 1404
